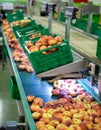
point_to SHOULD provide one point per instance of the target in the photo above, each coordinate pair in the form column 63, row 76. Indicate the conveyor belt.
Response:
column 80, row 42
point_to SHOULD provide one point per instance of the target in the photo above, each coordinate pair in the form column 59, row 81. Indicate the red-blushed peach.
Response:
column 78, row 116
column 42, row 47
column 50, row 127
column 59, row 109
column 71, row 127
column 67, row 113
column 36, row 115
column 41, row 110
column 55, row 92
column 68, row 106
column 74, row 100
column 83, row 126
column 88, row 117
column 40, row 124
column 46, row 120
column 62, row 127
column 93, row 103
column 51, row 111
column 76, row 121
column 43, row 128
column 68, row 97
column 80, row 97
column 73, row 111
column 97, row 120
column 54, row 122
column 34, row 48
column 89, row 124
column 66, row 120
column 30, row 98
column 34, row 107
column 62, row 100
column 38, row 101
column 96, row 127
column 47, row 115
column 52, row 42
column 77, row 127
column 58, row 116
column 87, row 105
column 29, row 44
column 92, row 112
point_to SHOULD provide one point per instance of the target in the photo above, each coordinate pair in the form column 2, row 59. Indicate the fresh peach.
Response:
column 36, row 115
column 30, row 98
column 62, row 127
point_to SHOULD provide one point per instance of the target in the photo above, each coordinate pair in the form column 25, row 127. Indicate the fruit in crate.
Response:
column 34, row 48
column 29, row 44
column 20, row 22
column 35, row 35
column 46, row 42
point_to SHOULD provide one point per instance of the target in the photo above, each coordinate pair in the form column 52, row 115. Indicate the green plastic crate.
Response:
column 60, row 57
column 14, row 92
column 30, row 30
column 96, row 29
column 62, row 17
column 44, row 31
column 98, row 50
column 11, row 17
column 24, row 26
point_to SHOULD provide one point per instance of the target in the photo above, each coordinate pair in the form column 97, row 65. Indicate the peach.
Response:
column 52, row 42
column 46, row 120
column 34, row 107
column 55, row 91
column 40, row 124
column 76, row 121
column 30, row 98
column 83, row 126
column 61, row 127
column 36, row 115
column 42, row 47
column 46, row 115
column 34, row 49
column 50, row 127
column 38, row 101
column 67, row 113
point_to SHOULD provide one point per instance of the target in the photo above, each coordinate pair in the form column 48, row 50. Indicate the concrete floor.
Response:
column 8, row 109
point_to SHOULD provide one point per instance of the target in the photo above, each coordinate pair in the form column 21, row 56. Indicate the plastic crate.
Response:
column 98, row 50
column 96, row 29
column 11, row 17
column 30, row 24
column 42, row 63
column 14, row 92
column 30, row 30
column 42, row 32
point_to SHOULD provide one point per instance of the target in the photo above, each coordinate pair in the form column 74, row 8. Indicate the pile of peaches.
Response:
column 79, row 112
column 67, row 87
column 17, row 51
column 43, row 43
column 20, row 22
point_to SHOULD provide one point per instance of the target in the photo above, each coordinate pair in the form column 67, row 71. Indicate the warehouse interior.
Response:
column 82, row 42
